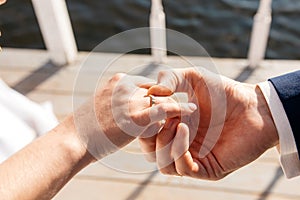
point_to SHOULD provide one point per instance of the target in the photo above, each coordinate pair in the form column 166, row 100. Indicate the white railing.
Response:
column 59, row 39
column 158, row 38
column 55, row 25
column 260, row 33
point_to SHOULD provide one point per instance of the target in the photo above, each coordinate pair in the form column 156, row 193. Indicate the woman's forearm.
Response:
column 123, row 112
column 41, row 169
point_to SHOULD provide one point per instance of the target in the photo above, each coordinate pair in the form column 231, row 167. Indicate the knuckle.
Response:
column 135, row 118
column 142, row 120
column 162, row 108
column 169, row 109
column 163, row 73
column 117, row 77
column 123, row 89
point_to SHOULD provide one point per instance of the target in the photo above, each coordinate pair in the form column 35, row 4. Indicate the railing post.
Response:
column 158, row 32
column 260, row 33
column 55, row 25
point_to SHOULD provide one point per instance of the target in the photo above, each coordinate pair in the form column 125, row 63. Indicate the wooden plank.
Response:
column 27, row 59
column 247, row 183
column 13, row 77
column 64, row 79
column 227, row 66
column 92, row 190
column 253, row 180
column 122, row 190
column 260, row 173
column 288, row 187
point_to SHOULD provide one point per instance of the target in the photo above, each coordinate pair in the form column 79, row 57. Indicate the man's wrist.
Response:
column 288, row 151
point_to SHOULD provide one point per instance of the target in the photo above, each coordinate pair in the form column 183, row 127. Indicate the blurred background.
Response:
column 223, row 27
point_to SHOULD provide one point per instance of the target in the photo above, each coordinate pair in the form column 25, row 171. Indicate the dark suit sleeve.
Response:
column 288, row 89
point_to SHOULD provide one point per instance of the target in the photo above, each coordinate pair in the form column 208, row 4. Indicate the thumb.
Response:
column 159, row 90
column 167, row 83
column 181, row 141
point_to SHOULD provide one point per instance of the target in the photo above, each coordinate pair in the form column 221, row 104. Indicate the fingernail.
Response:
column 192, row 106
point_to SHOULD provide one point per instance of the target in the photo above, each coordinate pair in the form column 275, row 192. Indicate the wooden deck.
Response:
column 30, row 72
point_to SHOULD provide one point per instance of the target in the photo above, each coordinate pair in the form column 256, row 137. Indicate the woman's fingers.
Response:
column 163, row 111
column 147, row 141
column 171, row 110
column 148, row 146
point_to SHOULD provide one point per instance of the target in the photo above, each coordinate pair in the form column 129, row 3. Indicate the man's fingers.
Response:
column 167, row 82
column 160, row 90
column 147, row 85
column 143, row 82
column 184, row 162
column 164, row 140
column 181, row 141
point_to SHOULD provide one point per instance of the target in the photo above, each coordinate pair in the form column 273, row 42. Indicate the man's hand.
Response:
column 231, row 128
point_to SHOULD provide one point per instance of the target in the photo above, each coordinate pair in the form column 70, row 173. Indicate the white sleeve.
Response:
column 289, row 158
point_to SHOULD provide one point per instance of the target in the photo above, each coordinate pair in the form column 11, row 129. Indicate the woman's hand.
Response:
column 120, row 111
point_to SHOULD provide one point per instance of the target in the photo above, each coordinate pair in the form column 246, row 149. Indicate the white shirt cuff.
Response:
column 289, row 158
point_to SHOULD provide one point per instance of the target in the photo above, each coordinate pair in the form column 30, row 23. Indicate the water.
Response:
column 222, row 26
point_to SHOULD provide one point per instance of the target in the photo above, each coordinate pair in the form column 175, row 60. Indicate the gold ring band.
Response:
column 152, row 99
